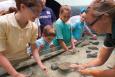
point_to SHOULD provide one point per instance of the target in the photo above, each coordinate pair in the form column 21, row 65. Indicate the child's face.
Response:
column 65, row 15
column 44, row 2
column 83, row 17
column 50, row 38
column 30, row 13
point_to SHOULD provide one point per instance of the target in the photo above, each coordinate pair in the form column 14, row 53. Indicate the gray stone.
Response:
column 54, row 66
column 92, row 55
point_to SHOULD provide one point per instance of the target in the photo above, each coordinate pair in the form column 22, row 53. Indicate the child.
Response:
column 43, row 43
column 47, row 16
column 17, row 30
column 79, row 27
column 63, row 30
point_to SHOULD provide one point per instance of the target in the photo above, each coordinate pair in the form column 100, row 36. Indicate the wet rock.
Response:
column 93, row 48
column 95, row 43
column 65, row 66
column 92, row 55
column 54, row 66
column 70, row 52
column 47, row 56
column 88, row 51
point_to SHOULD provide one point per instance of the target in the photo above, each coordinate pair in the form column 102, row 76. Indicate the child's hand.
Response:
column 44, row 68
column 94, row 37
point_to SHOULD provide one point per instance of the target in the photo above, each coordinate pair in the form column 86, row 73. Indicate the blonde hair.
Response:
column 28, row 3
column 65, row 7
column 49, row 31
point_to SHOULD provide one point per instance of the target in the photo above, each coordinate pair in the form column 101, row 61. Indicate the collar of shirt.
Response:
column 15, row 24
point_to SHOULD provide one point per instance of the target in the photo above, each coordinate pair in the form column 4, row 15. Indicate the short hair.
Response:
column 28, row 3
column 65, row 7
column 82, row 10
column 12, row 9
column 49, row 31
column 2, row 12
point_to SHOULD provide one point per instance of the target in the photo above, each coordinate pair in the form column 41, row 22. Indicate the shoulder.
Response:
column 47, row 8
column 33, row 25
column 74, row 19
column 40, row 42
column 5, row 19
column 58, row 22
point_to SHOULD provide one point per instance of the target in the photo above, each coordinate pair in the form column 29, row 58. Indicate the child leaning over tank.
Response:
column 42, row 46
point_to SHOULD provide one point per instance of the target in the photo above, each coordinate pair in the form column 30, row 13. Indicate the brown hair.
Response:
column 49, row 31
column 2, row 12
column 28, row 3
column 65, row 7
column 12, row 9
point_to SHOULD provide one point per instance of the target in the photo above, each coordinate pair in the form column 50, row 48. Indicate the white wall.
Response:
column 4, row 5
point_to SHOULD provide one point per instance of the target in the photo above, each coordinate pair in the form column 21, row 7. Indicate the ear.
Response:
column 22, row 6
column 60, row 15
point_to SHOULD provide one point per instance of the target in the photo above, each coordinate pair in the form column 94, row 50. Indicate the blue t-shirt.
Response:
column 77, row 30
column 44, row 45
column 63, row 32
column 46, row 17
column 77, row 27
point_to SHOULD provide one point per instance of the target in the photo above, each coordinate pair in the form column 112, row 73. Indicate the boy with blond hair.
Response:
column 63, row 29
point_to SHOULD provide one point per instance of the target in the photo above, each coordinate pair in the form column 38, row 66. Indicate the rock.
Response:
column 70, row 52
column 88, row 51
column 92, row 55
column 54, row 66
column 93, row 48
column 65, row 66
column 95, row 43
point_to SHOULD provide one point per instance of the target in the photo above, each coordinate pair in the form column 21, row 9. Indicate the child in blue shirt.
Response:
column 42, row 44
column 79, row 27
